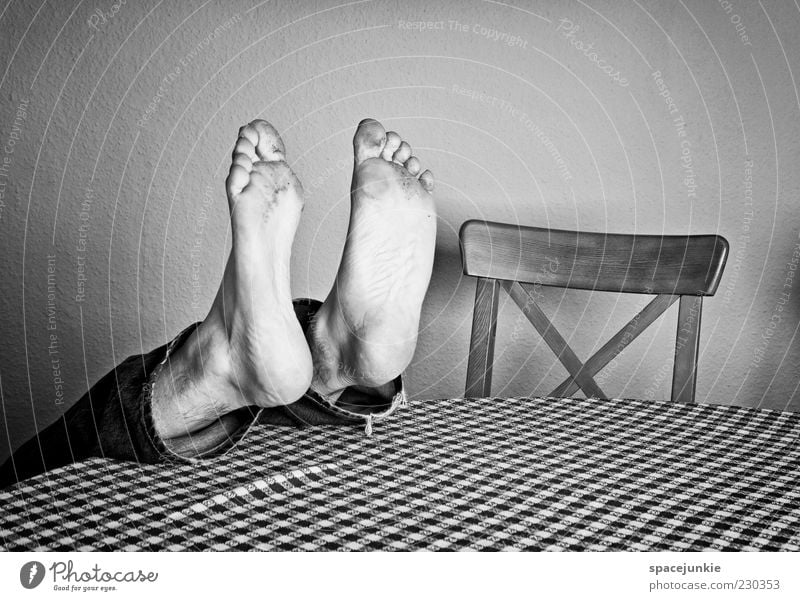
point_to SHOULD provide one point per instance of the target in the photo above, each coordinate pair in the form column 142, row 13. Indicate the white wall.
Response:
column 564, row 145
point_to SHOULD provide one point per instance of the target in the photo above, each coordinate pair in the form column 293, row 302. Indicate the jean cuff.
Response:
column 356, row 405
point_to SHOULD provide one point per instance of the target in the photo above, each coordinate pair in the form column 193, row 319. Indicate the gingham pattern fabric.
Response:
column 538, row 474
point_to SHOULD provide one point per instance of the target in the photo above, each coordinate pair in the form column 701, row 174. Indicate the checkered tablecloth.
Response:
column 539, row 474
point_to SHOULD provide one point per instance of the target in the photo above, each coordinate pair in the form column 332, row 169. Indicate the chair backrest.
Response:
column 520, row 259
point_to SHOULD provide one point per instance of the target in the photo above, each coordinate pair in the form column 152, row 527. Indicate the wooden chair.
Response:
column 519, row 259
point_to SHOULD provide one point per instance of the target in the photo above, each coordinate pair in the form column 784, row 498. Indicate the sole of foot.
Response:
column 267, row 357
column 366, row 331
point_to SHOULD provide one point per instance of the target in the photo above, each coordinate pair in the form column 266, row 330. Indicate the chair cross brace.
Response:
column 581, row 375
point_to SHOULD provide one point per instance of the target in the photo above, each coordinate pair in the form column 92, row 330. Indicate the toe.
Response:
column 269, row 146
column 426, row 179
column 402, row 154
column 246, row 147
column 243, row 161
column 393, row 141
column 238, row 178
column 369, row 140
column 413, row 165
column 248, row 132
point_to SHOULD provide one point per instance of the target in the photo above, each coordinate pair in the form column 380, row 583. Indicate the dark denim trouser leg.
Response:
column 113, row 418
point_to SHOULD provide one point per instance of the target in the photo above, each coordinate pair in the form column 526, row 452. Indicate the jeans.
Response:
column 113, row 419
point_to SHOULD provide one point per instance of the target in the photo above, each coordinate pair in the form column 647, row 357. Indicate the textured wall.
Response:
column 118, row 119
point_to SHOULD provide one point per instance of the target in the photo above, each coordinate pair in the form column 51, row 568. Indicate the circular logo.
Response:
column 31, row 574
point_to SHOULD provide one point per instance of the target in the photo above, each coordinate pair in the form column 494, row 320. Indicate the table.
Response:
column 484, row 474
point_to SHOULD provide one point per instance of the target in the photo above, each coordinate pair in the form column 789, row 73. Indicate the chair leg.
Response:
column 687, row 348
column 481, row 346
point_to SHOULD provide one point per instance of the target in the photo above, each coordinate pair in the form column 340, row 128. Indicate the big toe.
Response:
column 266, row 139
column 369, row 140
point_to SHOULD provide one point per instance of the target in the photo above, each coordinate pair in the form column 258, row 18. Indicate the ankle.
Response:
column 342, row 358
column 189, row 389
column 208, row 353
column 325, row 343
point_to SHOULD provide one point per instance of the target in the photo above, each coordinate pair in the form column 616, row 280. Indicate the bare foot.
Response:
column 365, row 333
column 250, row 349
